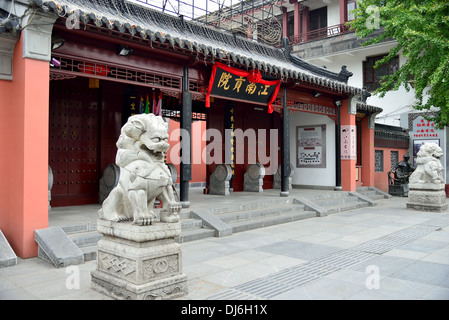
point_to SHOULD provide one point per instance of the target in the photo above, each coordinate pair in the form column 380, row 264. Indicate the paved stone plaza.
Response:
column 382, row 252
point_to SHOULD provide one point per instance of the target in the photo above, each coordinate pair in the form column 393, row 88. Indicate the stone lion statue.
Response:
column 143, row 174
column 429, row 168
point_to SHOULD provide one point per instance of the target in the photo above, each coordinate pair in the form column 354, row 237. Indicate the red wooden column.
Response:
column 342, row 11
column 297, row 22
column 367, row 151
column 305, row 23
column 348, row 144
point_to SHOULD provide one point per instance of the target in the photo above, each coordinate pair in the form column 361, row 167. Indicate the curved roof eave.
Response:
column 208, row 41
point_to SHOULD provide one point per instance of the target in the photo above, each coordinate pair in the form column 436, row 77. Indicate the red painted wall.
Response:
column 381, row 178
column 198, row 145
column 24, row 145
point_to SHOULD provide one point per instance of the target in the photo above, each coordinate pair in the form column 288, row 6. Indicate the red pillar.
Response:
column 297, row 22
column 367, row 152
column 305, row 23
column 348, row 147
column 24, row 144
column 342, row 11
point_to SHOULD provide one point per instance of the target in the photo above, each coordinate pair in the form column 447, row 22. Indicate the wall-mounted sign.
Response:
column 236, row 84
column 311, row 146
column 348, row 142
column 423, row 128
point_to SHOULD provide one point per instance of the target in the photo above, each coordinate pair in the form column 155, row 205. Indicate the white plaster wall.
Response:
column 333, row 13
column 307, row 176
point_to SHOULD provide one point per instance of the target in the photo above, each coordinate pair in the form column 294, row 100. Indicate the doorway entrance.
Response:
column 74, row 142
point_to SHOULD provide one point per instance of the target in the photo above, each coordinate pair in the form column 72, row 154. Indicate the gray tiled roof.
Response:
column 9, row 23
column 155, row 26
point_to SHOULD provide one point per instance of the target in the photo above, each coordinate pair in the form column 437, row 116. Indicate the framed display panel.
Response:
column 418, row 143
column 311, row 146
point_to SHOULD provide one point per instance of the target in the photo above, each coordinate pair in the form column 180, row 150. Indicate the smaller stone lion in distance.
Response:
column 429, row 168
column 143, row 174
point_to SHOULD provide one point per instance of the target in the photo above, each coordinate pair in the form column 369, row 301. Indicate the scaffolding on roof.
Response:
column 260, row 20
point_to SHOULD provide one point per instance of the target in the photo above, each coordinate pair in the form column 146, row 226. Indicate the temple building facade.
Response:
column 72, row 72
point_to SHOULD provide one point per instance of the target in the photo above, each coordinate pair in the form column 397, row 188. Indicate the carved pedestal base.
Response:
column 219, row 180
column 427, row 197
column 139, row 262
column 253, row 178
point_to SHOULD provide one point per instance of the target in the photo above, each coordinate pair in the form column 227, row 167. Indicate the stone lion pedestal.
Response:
column 426, row 184
column 427, row 197
column 138, row 257
column 139, row 262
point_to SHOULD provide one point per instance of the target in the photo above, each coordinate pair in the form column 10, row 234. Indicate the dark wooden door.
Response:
column 251, row 120
column 74, row 144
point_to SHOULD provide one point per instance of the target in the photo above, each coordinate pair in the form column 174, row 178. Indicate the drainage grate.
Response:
column 394, row 240
column 276, row 284
column 232, row 294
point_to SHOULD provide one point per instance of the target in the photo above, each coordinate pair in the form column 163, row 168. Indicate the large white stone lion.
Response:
column 143, row 174
column 429, row 168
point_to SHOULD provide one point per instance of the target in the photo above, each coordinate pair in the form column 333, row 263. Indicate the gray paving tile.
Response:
column 285, row 246
column 425, row 272
column 387, row 265
column 312, row 252
column 423, row 245
column 437, row 293
column 328, row 289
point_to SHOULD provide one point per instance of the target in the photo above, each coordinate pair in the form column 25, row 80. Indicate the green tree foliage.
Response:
column 421, row 29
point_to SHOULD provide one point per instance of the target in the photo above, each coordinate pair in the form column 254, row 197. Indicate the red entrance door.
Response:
column 74, row 143
column 250, row 120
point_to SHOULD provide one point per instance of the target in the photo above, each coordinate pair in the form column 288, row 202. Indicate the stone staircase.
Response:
column 373, row 193
column 85, row 237
column 219, row 221
column 333, row 202
column 193, row 228
column 226, row 220
column 259, row 214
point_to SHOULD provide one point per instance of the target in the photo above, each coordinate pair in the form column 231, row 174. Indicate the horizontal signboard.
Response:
column 236, row 84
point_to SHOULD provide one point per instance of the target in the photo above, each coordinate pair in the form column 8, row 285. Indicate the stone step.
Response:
column 85, row 239
column 327, row 196
column 251, row 205
column 90, row 252
column 346, row 206
column 259, row 213
column 265, row 221
column 190, row 223
column 81, row 227
column 195, row 234
column 373, row 195
column 86, row 242
column 331, row 202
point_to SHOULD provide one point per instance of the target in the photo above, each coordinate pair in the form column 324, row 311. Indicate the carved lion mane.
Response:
column 143, row 174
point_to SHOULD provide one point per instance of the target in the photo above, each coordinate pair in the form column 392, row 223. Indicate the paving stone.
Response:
column 425, row 272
